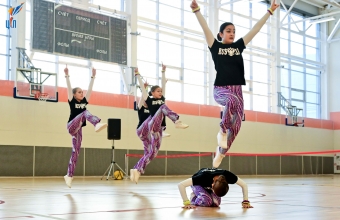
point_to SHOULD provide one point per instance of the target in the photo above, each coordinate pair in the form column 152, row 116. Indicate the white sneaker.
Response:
column 68, row 180
column 136, row 175
column 222, row 140
column 179, row 124
column 100, row 126
column 132, row 175
column 218, row 158
column 164, row 134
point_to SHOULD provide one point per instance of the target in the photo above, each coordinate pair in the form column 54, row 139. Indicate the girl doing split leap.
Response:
column 208, row 186
column 77, row 120
column 227, row 57
column 153, row 126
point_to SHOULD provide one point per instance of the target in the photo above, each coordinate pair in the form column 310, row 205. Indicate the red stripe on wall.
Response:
column 335, row 117
column 209, row 111
column 126, row 101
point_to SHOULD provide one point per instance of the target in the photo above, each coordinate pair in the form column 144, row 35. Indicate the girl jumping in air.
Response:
column 153, row 125
column 208, row 186
column 227, row 57
column 77, row 120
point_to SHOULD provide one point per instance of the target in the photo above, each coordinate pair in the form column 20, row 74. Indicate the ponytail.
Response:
column 150, row 94
column 219, row 37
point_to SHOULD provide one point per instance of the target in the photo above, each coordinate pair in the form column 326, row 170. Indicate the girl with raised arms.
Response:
column 78, row 116
column 154, row 124
column 227, row 57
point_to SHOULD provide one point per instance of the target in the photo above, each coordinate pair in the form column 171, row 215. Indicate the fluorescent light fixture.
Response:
column 316, row 21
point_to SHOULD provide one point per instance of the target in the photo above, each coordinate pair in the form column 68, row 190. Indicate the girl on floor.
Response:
column 208, row 186
column 227, row 57
column 77, row 120
column 154, row 125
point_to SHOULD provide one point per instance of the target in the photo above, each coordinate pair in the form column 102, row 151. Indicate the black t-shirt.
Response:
column 77, row 108
column 143, row 114
column 228, row 63
column 204, row 177
column 154, row 104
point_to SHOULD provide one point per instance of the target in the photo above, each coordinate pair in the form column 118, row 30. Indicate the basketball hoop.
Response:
column 42, row 97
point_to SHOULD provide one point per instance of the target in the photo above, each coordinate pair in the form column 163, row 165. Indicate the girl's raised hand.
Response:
column 163, row 67
column 94, row 71
column 274, row 6
column 136, row 71
column 193, row 5
column 66, row 71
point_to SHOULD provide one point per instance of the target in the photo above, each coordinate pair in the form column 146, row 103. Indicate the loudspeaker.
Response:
column 135, row 107
column 113, row 128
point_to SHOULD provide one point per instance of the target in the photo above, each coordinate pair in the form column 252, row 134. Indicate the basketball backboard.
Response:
column 30, row 81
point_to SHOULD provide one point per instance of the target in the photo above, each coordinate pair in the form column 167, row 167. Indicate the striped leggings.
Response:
column 74, row 128
column 230, row 97
column 153, row 127
column 203, row 197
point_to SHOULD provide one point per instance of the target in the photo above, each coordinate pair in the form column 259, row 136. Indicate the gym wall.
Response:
column 34, row 139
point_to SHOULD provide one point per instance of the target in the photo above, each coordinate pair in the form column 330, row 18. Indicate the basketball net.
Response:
column 42, row 97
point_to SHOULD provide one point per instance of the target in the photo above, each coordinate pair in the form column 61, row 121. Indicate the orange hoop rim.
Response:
column 43, row 96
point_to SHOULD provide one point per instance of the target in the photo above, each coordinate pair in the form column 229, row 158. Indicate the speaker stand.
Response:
column 113, row 163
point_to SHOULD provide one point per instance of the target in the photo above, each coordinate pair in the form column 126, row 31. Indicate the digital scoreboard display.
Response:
column 66, row 30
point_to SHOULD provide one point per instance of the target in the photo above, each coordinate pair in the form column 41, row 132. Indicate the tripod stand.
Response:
column 113, row 163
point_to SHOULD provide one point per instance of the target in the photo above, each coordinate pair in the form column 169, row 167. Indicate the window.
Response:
column 300, row 83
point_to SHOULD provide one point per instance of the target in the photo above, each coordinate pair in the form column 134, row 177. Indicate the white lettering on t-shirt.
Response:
column 228, row 51
column 146, row 111
column 82, row 106
column 158, row 102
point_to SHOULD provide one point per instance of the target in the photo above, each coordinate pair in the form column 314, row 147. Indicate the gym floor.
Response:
column 273, row 197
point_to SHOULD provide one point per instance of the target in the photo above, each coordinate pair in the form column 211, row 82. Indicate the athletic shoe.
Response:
column 218, row 158
column 100, row 126
column 136, row 175
column 222, row 140
column 164, row 134
column 68, row 180
column 179, row 124
column 131, row 175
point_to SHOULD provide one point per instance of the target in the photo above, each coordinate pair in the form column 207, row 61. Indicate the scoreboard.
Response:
column 70, row 31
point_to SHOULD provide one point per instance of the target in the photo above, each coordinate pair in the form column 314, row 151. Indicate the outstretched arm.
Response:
column 244, row 187
column 163, row 79
column 257, row 27
column 209, row 37
column 68, row 83
column 141, row 100
column 181, row 186
column 89, row 90
column 140, row 81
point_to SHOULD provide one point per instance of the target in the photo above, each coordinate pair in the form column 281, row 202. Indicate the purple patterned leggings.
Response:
column 152, row 131
column 204, row 197
column 230, row 97
column 74, row 127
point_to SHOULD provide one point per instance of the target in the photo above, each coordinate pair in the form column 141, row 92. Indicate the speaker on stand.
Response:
column 113, row 133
